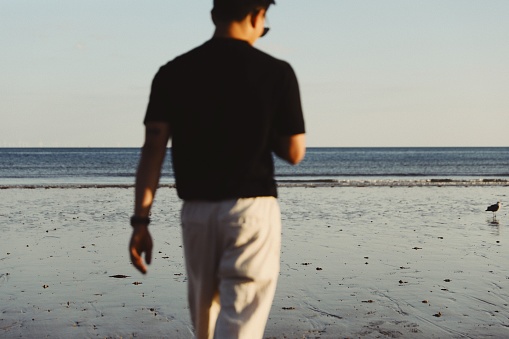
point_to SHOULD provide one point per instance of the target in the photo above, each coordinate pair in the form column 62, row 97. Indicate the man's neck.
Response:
column 235, row 30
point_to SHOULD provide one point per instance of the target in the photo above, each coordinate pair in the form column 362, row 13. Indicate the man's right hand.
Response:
column 141, row 241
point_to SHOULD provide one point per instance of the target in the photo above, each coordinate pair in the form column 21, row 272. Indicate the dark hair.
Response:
column 236, row 10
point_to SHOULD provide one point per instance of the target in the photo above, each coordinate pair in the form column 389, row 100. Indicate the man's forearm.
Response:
column 147, row 178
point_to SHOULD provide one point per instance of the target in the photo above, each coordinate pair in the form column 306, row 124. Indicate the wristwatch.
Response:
column 137, row 220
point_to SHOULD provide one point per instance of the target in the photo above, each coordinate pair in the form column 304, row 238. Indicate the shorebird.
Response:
column 494, row 208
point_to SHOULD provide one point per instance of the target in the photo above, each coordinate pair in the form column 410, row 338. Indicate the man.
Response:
column 226, row 106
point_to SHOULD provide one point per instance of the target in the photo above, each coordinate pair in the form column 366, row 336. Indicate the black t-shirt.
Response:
column 225, row 102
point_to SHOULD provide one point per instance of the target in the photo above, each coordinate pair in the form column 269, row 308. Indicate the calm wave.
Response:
column 112, row 167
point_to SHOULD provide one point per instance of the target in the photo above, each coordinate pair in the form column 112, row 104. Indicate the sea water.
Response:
column 113, row 167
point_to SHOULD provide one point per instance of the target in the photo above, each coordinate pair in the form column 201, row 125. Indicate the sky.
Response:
column 372, row 73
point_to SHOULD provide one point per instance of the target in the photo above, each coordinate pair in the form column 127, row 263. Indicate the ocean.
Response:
column 413, row 166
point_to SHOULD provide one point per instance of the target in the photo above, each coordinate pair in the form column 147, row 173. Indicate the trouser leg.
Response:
column 201, row 257
column 249, row 267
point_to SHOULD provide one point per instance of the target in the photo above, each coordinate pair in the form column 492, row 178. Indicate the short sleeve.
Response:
column 158, row 105
column 290, row 118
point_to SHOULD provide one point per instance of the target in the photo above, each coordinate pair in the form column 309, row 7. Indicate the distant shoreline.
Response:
column 430, row 182
column 309, row 147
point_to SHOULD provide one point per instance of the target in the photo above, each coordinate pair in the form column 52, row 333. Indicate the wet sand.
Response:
column 369, row 262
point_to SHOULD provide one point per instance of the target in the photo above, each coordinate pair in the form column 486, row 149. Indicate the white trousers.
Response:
column 232, row 253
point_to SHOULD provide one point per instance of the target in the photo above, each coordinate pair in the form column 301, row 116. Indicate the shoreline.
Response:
column 427, row 182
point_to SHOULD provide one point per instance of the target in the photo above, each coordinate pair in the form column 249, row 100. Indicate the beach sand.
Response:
column 366, row 262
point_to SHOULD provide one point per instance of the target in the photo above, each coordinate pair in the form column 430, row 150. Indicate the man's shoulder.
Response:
column 270, row 58
column 271, row 65
column 184, row 57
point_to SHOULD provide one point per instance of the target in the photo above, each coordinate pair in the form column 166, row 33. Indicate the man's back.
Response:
column 225, row 102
